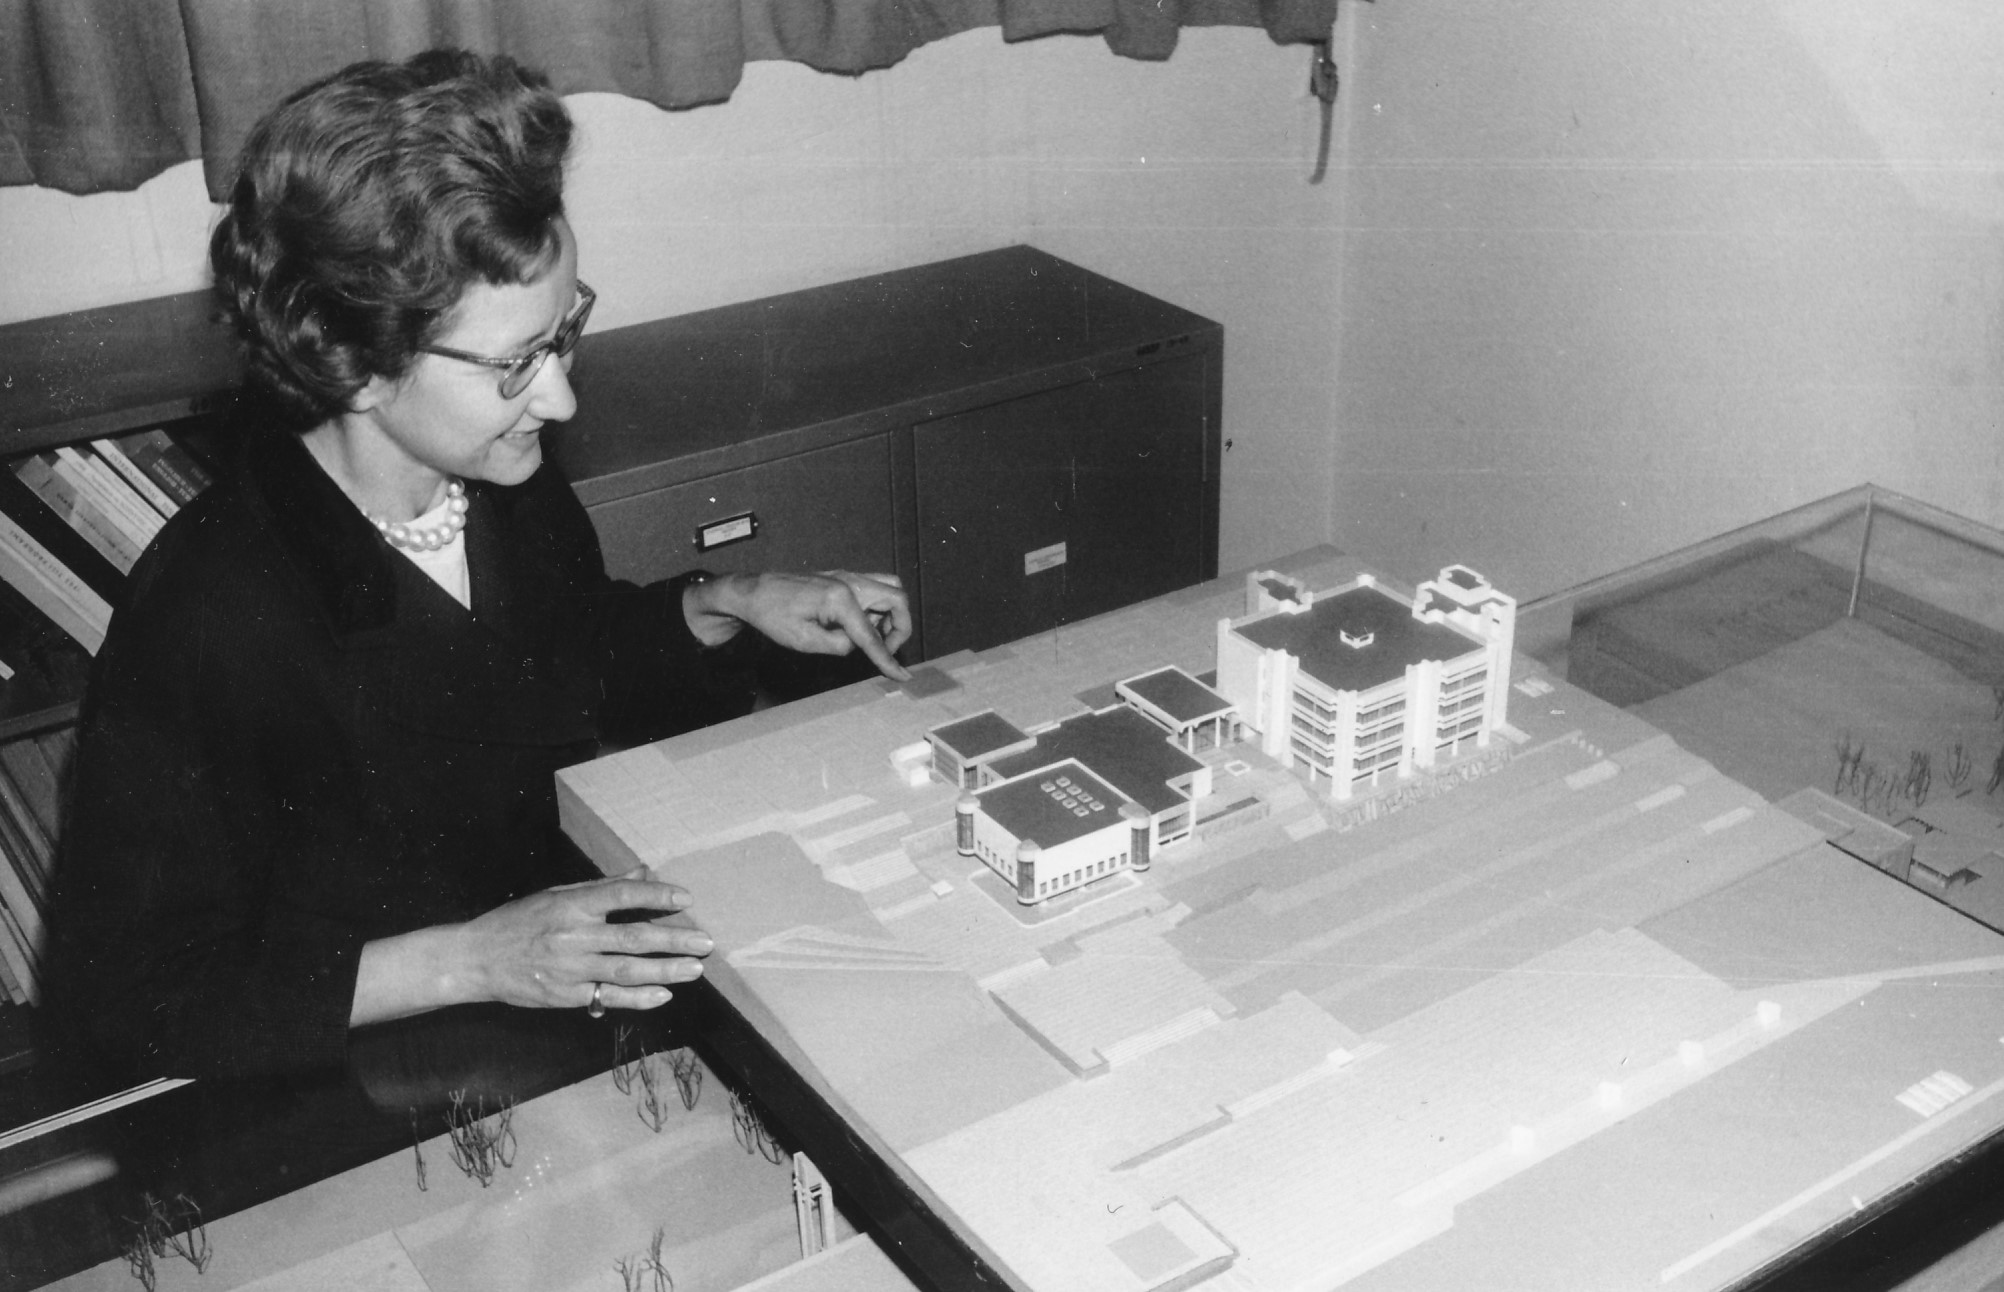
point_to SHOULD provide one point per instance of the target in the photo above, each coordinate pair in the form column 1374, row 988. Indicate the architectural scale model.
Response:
column 1558, row 1021
column 1356, row 686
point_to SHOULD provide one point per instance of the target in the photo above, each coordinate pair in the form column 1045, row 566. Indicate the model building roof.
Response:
column 1366, row 613
column 1279, row 590
column 1054, row 805
column 979, row 736
column 1459, row 589
column 1177, row 694
column 1118, row 744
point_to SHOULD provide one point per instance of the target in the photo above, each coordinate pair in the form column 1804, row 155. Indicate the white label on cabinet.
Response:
column 1044, row 558
column 732, row 529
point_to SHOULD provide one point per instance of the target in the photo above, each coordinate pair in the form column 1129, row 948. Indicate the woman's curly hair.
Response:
column 366, row 203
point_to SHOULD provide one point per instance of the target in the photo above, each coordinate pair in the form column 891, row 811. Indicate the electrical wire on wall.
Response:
column 1322, row 83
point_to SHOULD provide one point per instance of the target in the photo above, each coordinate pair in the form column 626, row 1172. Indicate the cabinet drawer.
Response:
column 1063, row 504
column 825, row 509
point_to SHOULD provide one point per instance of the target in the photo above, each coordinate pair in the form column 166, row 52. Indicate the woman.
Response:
column 314, row 782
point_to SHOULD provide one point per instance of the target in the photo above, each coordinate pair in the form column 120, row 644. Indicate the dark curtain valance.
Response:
column 105, row 94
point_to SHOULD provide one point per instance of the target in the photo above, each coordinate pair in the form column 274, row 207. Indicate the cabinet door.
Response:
column 826, row 509
column 1062, row 504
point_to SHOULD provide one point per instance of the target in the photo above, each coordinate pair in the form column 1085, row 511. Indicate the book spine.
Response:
column 27, row 932
column 155, row 496
column 58, row 747
column 50, row 669
column 171, row 467
column 58, row 488
column 46, row 582
column 123, row 496
column 133, row 517
column 40, row 521
column 13, row 946
column 27, row 764
column 25, row 839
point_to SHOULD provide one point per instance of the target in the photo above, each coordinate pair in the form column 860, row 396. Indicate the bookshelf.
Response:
column 91, row 374
column 65, row 382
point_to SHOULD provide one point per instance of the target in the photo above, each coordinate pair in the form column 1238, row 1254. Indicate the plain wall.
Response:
column 1186, row 178
column 1621, row 274
column 1589, row 280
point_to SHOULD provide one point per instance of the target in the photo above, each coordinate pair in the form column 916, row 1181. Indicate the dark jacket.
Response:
column 295, row 742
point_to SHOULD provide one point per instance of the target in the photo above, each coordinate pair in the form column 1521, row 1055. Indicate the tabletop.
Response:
column 1569, row 1006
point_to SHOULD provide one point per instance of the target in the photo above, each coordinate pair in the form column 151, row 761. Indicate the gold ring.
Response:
column 597, row 1007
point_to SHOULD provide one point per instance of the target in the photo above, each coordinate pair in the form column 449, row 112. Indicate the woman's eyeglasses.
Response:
column 517, row 373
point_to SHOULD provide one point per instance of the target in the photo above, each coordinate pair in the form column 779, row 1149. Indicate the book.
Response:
column 164, row 461
column 17, row 1041
column 99, row 482
column 156, row 497
column 82, row 512
column 50, row 670
column 59, row 745
column 58, row 593
column 24, row 838
column 17, row 970
column 115, row 489
column 22, row 941
column 70, row 549
column 16, row 991
column 26, row 765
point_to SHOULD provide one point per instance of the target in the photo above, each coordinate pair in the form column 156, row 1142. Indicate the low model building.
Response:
column 1056, row 808
column 1057, row 829
column 963, row 751
column 1195, row 716
column 1130, row 753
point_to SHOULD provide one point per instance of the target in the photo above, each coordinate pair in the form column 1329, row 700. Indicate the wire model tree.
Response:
column 482, row 1143
column 170, row 1226
column 646, row 1272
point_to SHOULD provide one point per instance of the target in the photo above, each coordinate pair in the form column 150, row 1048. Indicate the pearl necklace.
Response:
column 432, row 538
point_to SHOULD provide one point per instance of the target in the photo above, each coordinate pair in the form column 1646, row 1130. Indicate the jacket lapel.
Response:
column 338, row 556
column 502, row 673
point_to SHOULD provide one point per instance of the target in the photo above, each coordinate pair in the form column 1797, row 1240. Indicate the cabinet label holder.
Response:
column 1044, row 558
column 731, row 529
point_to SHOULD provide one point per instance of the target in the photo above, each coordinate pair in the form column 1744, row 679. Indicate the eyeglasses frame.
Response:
column 522, row 369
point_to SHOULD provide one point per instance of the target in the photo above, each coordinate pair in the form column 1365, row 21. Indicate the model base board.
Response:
column 1598, row 1016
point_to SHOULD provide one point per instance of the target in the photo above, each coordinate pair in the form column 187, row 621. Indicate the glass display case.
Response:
column 1851, row 650
column 1854, row 646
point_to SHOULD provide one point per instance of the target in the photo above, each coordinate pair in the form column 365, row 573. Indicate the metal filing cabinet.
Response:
column 1024, row 442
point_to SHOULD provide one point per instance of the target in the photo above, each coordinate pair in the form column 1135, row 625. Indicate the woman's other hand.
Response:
column 554, row 947
column 549, row 949
column 821, row 614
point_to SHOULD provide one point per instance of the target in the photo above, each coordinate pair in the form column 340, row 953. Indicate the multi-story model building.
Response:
column 1356, row 684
